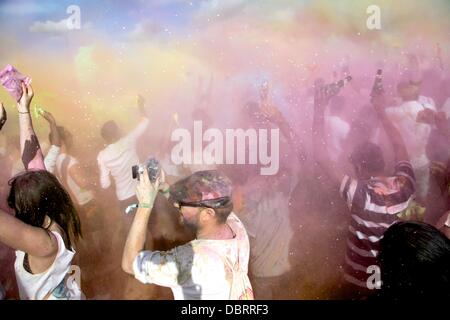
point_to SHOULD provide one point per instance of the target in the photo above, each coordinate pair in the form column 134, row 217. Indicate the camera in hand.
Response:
column 153, row 169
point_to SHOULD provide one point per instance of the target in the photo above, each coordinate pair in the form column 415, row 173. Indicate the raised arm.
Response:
column 320, row 148
column 35, row 241
column 55, row 140
column 274, row 115
column 32, row 157
column 398, row 145
column 143, row 124
column 146, row 193
column 105, row 177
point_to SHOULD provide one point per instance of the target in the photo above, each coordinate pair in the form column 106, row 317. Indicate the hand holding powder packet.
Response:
column 11, row 80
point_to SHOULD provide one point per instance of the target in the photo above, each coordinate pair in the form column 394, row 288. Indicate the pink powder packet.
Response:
column 11, row 79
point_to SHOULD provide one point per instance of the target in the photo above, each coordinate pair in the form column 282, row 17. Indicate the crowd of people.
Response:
column 226, row 231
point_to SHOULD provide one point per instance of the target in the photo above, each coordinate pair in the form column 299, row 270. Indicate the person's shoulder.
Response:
column 102, row 153
column 402, row 167
column 196, row 254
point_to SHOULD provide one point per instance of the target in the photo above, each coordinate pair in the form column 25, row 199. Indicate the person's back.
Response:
column 117, row 159
column 415, row 133
column 52, row 284
column 374, row 205
column 64, row 162
column 264, row 210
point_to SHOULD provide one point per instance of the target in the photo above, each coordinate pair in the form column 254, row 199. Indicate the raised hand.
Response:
column 49, row 117
column 146, row 191
column 24, row 102
column 266, row 107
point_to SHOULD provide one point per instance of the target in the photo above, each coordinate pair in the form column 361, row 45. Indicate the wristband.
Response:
column 130, row 208
column 166, row 190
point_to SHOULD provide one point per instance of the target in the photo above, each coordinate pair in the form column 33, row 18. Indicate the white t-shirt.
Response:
column 50, row 158
column 337, row 130
column 54, row 280
column 414, row 134
column 82, row 196
column 201, row 269
column 117, row 159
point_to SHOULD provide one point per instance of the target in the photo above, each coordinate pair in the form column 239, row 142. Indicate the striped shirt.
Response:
column 374, row 205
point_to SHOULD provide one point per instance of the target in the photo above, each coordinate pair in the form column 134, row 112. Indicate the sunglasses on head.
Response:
column 212, row 204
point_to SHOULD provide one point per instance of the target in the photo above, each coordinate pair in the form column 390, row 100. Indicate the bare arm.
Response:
column 105, row 179
column 32, row 157
column 398, row 145
column 320, row 150
column 275, row 116
column 20, row 236
column 136, row 239
column 55, row 138
column 146, row 193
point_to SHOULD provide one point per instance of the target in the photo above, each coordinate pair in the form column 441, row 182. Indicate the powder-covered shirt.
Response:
column 374, row 206
column 202, row 269
column 265, row 214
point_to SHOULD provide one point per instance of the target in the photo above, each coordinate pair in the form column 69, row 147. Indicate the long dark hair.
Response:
column 415, row 262
column 35, row 194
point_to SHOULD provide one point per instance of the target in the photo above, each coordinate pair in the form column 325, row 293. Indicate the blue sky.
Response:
column 108, row 16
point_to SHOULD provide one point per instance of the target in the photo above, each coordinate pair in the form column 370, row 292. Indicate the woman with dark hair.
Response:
column 45, row 227
column 415, row 262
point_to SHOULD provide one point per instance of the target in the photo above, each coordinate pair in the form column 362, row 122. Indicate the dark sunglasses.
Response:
column 212, row 204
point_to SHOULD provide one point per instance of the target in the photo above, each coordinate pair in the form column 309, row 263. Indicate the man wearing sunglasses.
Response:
column 214, row 266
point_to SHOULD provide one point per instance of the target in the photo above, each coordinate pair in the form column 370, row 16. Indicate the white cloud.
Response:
column 221, row 9
column 55, row 27
column 50, row 26
column 145, row 29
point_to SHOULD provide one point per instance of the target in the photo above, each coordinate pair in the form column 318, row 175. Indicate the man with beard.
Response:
column 214, row 266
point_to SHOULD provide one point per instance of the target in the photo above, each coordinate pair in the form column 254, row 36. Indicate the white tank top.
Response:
column 52, row 283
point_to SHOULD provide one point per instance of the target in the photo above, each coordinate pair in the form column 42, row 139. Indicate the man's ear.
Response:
column 209, row 213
